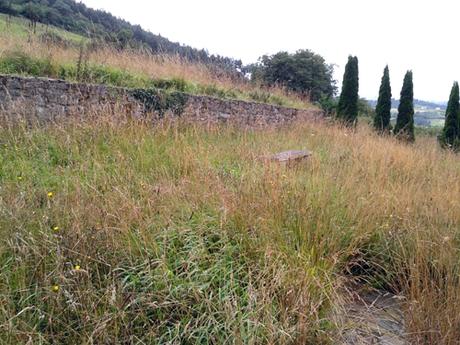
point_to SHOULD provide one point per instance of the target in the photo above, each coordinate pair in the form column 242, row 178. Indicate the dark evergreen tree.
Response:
column 383, row 109
column 347, row 109
column 404, row 128
column 450, row 136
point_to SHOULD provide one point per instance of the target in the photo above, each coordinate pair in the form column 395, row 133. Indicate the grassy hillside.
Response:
column 18, row 28
column 66, row 56
column 116, row 232
column 75, row 17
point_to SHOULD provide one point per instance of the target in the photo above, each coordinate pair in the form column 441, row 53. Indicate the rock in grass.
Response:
column 292, row 156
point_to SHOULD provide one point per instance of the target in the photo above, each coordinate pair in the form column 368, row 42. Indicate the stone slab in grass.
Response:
column 291, row 156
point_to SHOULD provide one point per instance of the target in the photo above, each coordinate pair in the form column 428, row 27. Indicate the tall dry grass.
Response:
column 183, row 235
column 145, row 64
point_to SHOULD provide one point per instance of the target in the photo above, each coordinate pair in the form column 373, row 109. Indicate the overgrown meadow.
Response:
column 117, row 231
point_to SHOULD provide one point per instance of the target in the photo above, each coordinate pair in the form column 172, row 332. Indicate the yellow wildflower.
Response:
column 55, row 228
column 77, row 267
column 55, row 288
column 50, row 194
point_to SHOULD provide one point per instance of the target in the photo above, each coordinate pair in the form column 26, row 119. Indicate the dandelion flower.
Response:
column 55, row 228
column 55, row 288
column 77, row 267
column 50, row 194
column 19, row 178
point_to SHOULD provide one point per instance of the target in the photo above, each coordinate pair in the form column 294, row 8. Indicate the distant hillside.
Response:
column 427, row 114
column 417, row 104
column 78, row 18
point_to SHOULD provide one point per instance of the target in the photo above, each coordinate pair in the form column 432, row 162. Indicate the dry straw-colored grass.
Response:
column 144, row 64
column 182, row 234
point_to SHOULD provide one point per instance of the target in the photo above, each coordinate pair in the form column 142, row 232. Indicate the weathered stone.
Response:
column 223, row 116
column 57, row 98
column 291, row 156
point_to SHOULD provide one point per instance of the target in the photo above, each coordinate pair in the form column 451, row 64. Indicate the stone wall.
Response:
column 49, row 99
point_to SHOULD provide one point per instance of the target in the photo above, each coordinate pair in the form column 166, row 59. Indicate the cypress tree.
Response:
column 383, row 110
column 404, row 128
column 450, row 136
column 347, row 109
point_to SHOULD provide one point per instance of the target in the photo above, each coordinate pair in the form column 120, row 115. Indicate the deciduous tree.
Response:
column 303, row 72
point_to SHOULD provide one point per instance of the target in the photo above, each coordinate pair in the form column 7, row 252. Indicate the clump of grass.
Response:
column 102, row 74
column 19, row 63
column 176, row 84
column 181, row 235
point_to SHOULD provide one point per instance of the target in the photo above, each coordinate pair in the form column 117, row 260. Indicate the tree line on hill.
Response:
column 97, row 24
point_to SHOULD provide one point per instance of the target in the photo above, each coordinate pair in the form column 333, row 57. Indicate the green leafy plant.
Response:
column 160, row 101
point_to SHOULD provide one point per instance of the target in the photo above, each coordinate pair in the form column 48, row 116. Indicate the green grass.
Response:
column 183, row 235
column 19, row 27
column 162, row 257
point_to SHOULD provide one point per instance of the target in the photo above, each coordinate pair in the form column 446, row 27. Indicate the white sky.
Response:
column 407, row 34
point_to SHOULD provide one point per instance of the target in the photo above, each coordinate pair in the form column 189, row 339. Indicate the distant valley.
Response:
column 427, row 114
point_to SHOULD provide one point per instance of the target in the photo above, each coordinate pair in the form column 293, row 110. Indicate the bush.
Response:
column 328, row 105
column 303, row 72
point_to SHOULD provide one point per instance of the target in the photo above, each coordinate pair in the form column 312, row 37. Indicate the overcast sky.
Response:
column 406, row 34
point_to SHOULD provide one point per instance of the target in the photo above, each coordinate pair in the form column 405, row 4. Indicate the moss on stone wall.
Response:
column 160, row 101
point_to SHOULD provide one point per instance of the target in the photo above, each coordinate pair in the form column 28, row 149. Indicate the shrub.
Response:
column 161, row 101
